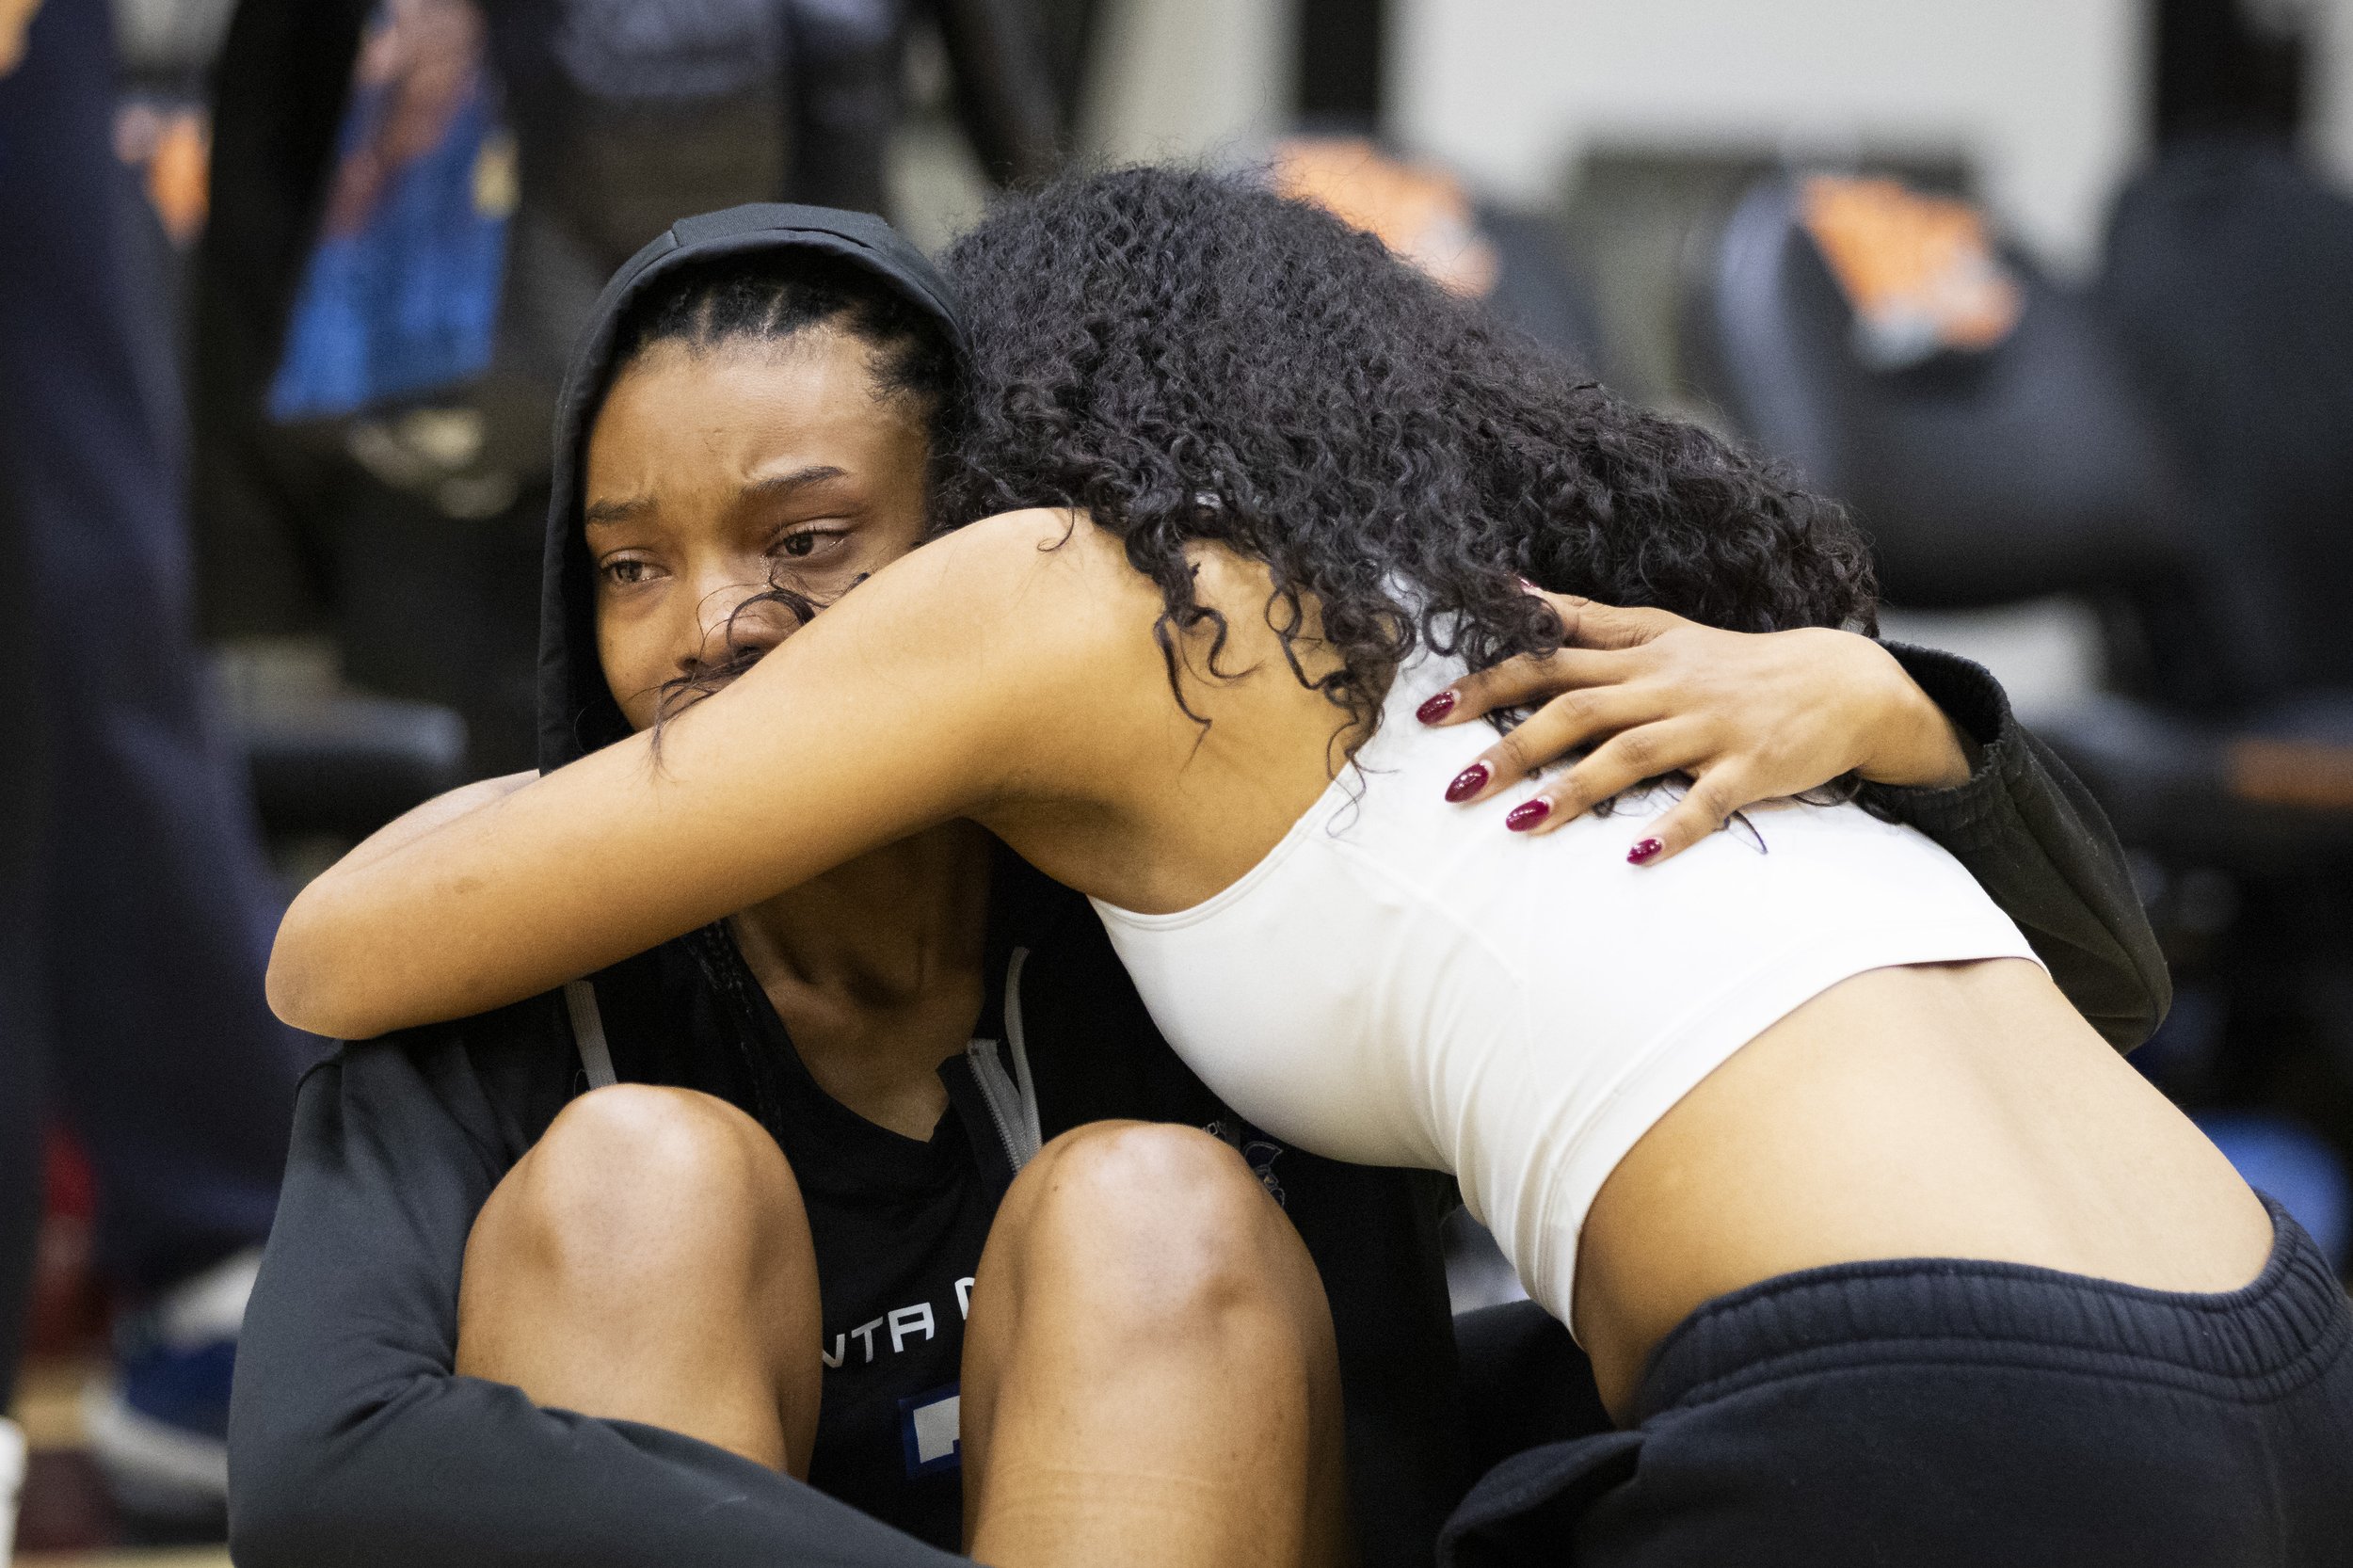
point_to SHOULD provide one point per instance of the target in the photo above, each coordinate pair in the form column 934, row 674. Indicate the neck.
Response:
column 876, row 971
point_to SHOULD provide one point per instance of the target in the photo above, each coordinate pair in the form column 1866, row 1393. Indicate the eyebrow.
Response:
column 609, row 512
column 787, row 484
column 606, row 513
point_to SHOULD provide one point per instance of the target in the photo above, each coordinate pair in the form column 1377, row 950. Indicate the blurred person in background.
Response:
column 140, row 903
column 144, row 899
column 415, row 203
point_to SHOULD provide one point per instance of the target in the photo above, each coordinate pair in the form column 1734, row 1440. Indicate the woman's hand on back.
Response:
column 1747, row 716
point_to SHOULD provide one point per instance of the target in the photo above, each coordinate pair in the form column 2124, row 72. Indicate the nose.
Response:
column 737, row 624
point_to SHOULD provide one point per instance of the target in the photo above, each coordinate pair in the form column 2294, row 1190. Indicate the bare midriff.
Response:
column 1935, row 1111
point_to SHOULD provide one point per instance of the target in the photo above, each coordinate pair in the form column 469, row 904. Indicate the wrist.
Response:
column 1919, row 746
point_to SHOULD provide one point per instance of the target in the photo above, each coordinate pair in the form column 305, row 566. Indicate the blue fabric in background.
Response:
column 2294, row 1164
column 406, row 303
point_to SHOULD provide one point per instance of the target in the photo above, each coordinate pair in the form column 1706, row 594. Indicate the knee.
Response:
column 634, row 1179
column 1164, row 1222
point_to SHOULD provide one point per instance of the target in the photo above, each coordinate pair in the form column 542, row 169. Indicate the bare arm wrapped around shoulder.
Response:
column 962, row 680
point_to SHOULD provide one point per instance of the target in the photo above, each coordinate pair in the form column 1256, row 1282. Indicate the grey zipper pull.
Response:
column 596, row 1056
column 1012, row 1097
column 1002, row 1099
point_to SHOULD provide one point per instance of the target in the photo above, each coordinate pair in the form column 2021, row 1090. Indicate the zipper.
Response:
column 596, row 1056
column 1011, row 1097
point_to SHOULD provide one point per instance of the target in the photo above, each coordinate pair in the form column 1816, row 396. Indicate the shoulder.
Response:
column 1050, row 580
column 1046, row 549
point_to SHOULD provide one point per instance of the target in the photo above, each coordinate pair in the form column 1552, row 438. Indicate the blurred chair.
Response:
column 345, row 766
column 330, row 764
column 1539, row 291
column 2028, row 464
column 2027, row 467
column 1514, row 262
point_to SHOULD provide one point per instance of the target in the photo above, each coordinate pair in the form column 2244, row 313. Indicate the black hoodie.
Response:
column 353, row 1442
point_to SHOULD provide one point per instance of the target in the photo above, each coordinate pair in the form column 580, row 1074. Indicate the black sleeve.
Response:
column 352, row 1443
column 2037, row 841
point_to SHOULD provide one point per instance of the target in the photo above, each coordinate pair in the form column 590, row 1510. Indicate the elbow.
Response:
column 270, row 1526
column 286, row 985
column 282, row 1508
column 308, row 987
column 313, row 1480
column 292, row 985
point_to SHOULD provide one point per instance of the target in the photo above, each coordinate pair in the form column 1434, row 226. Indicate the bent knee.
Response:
column 644, row 1172
column 1128, row 1168
column 1166, row 1217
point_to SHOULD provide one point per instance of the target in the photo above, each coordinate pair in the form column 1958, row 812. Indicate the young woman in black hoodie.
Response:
column 910, row 1035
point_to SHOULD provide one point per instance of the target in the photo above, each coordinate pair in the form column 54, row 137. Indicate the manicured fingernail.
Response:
column 1468, row 782
column 1643, row 851
column 1531, row 586
column 1527, row 814
column 1436, row 708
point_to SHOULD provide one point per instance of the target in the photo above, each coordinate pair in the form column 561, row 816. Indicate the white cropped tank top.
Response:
column 1400, row 981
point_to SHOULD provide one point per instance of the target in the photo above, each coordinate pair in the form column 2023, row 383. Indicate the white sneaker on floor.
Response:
column 12, row 1483
column 157, row 1422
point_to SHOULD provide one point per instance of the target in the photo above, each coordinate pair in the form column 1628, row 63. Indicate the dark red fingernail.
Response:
column 1468, row 782
column 1643, row 851
column 1435, row 708
column 1527, row 814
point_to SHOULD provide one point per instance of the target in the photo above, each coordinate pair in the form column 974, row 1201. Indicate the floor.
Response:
column 63, row 1519
column 165, row 1556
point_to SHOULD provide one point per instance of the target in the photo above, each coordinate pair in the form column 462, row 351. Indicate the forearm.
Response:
column 466, row 1474
column 916, row 700
column 517, row 891
column 413, row 825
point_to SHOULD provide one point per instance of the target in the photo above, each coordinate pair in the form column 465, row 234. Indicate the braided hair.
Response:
column 758, row 299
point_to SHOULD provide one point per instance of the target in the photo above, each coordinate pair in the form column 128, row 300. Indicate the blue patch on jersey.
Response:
column 931, row 1428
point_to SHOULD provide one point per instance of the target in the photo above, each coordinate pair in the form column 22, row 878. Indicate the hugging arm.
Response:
column 922, row 696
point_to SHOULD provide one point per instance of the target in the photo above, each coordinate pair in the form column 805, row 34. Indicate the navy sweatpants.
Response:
column 139, row 907
column 1937, row 1413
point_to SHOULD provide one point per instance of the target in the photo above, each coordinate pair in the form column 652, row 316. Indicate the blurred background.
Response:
column 2058, row 293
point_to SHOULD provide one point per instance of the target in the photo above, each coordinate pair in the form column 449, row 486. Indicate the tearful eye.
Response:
column 806, row 543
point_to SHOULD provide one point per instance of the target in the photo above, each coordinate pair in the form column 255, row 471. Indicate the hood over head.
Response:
column 577, row 713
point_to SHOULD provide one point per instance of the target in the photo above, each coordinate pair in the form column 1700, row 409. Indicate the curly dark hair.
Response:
column 1187, row 356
